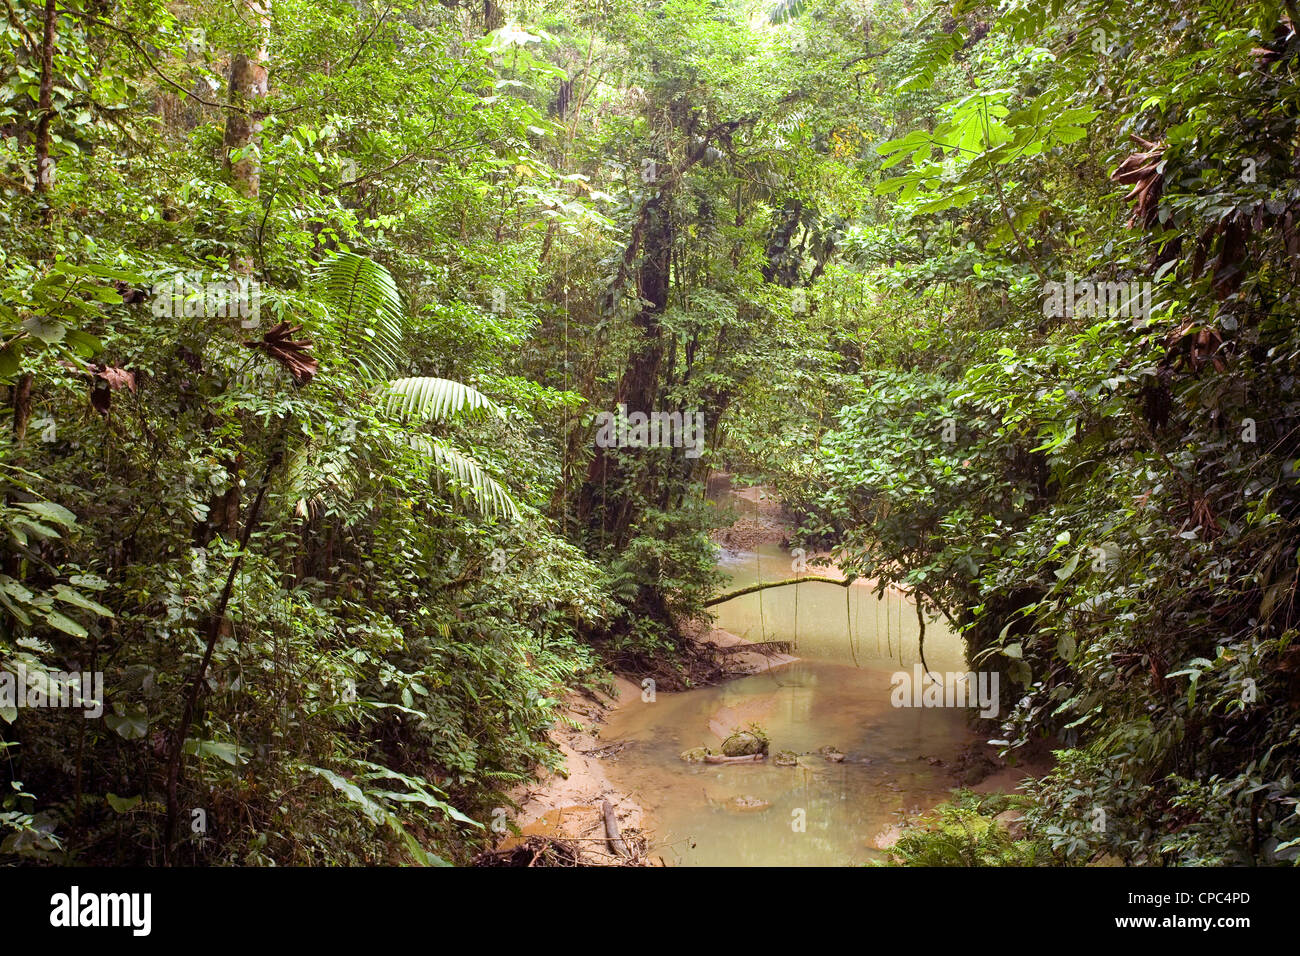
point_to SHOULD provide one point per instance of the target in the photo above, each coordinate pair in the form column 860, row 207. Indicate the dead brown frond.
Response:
column 279, row 344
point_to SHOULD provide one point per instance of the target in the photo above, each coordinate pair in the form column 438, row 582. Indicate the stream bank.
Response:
column 816, row 677
column 568, row 806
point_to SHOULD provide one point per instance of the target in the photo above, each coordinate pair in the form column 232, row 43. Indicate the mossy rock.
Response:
column 786, row 758
column 743, row 744
column 831, row 754
column 694, row 755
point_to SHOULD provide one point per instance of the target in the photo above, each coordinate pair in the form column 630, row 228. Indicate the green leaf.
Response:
column 491, row 497
column 435, row 399
column 47, row 330
column 122, row 804
column 11, row 587
column 370, row 808
column 365, row 296
column 129, row 724
column 20, row 528
column 50, row 512
column 936, row 54
column 83, row 344
column 10, row 360
column 68, row 596
column 785, row 10
column 225, row 751
column 65, row 624
column 15, row 610
column 1067, row 569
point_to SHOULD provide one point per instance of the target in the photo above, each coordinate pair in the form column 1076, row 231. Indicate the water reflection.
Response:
column 836, row 695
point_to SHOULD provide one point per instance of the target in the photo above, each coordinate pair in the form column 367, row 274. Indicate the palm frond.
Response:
column 435, row 399
column 365, row 294
column 786, row 10
column 491, row 497
column 315, row 472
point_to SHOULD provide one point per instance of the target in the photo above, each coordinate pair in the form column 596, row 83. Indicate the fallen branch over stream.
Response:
column 758, row 647
column 750, row 589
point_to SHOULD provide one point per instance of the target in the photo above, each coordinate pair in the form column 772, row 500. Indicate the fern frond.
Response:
column 1027, row 18
column 934, row 56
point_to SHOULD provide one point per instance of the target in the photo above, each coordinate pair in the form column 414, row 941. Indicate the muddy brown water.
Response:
column 850, row 642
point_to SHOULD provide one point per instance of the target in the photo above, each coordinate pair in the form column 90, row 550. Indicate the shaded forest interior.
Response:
column 363, row 367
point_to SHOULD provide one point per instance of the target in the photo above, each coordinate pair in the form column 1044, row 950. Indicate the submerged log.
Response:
column 747, row 758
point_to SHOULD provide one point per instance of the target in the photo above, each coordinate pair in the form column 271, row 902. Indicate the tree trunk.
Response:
column 639, row 386
column 22, row 407
column 215, row 626
column 45, row 102
column 248, row 87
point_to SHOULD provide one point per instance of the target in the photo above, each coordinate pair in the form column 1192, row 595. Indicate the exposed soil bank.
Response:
column 568, row 805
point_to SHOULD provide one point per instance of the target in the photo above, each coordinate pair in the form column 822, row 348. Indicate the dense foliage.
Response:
column 339, row 534
column 1104, row 496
